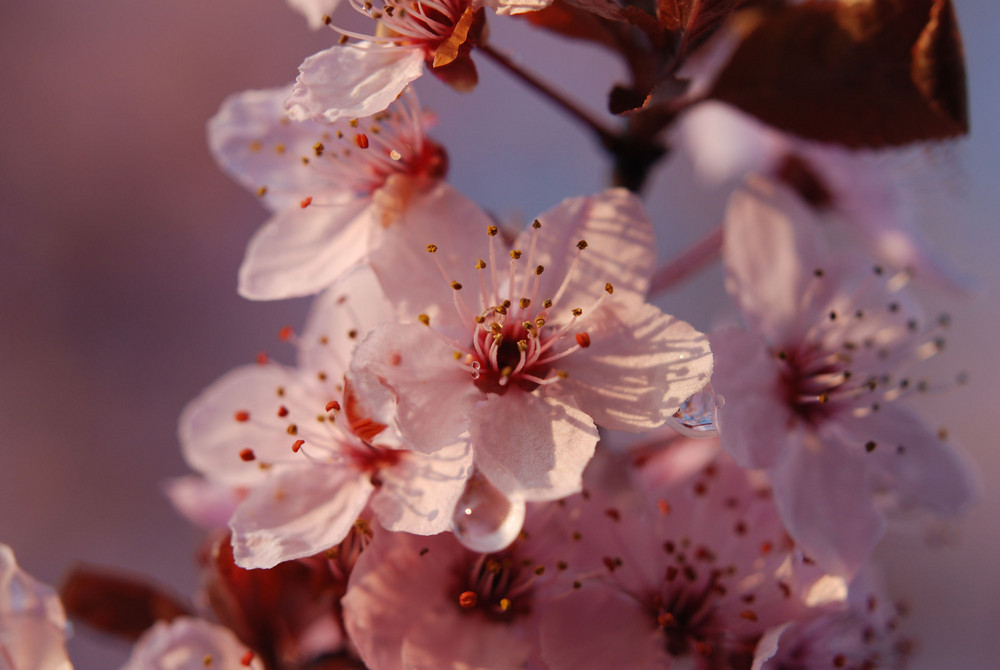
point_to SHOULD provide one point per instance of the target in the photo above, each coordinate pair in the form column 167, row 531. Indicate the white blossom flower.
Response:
column 812, row 389
column 333, row 188
column 527, row 347
column 304, row 447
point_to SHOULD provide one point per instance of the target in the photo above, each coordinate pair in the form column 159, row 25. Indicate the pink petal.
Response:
column 340, row 318
column 621, row 248
column 914, row 463
column 825, row 499
column 253, row 141
column 301, row 251
column 597, row 627
column 411, row 382
column 532, row 447
column 401, row 612
column 33, row 628
column 771, row 250
column 411, row 276
column 418, row 494
column 203, row 502
column 185, row 644
column 239, row 412
column 314, row 10
column 723, row 143
column 640, row 366
column 297, row 513
column 353, row 80
column 754, row 421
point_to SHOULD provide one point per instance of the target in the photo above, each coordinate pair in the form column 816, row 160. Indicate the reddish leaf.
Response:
column 694, row 21
column 570, row 21
column 869, row 73
column 116, row 604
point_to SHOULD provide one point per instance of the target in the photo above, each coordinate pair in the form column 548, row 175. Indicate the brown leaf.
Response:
column 116, row 604
column 869, row 73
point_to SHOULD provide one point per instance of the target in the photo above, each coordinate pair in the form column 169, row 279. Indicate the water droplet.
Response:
column 696, row 417
column 485, row 520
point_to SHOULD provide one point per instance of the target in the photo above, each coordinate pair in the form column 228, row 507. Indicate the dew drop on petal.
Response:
column 696, row 417
column 485, row 520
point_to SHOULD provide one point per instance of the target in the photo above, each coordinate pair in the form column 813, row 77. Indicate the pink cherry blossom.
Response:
column 860, row 632
column 872, row 194
column 692, row 572
column 811, row 389
column 527, row 347
column 33, row 628
column 361, row 78
column 430, row 602
column 190, row 644
column 333, row 188
column 304, row 447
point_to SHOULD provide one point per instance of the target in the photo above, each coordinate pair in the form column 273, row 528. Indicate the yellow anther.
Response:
column 432, row 248
column 424, row 319
column 492, row 230
column 515, row 253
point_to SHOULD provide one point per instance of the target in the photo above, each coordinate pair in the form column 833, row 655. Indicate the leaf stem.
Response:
column 607, row 136
column 689, row 262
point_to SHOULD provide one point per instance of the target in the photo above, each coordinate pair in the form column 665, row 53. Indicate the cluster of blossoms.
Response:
column 493, row 450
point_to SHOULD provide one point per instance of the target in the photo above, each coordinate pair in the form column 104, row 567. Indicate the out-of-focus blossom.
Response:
column 33, row 628
column 190, row 644
column 315, row 11
column 333, row 188
column 860, row 632
column 527, row 347
column 306, row 449
column 692, row 572
column 871, row 194
column 811, row 389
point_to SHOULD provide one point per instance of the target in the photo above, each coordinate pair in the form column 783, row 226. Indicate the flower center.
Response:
column 495, row 585
column 362, row 154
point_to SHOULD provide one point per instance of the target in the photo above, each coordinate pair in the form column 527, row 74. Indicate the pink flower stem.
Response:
column 607, row 136
column 689, row 262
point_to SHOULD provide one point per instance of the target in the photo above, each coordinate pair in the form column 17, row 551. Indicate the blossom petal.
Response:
column 570, row 635
column 302, row 251
column 297, row 513
column 532, row 447
column 411, row 382
column 399, row 572
column 186, row 643
column 621, row 248
column 202, row 501
column 314, row 10
column 754, row 420
column 352, row 80
column 340, row 318
column 916, row 465
column 252, row 140
column 411, row 276
column 825, row 498
column 770, row 253
column 237, row 417
column 33, row 628
column 419, row 493
column 638, row 368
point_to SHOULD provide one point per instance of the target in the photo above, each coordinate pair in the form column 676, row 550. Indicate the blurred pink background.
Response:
column 120, row 242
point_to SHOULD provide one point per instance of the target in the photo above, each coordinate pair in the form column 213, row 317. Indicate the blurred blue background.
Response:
column 120, row 241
